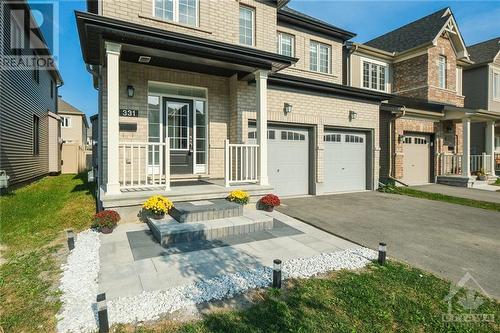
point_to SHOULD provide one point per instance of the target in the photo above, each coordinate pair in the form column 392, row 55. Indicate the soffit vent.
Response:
column 144, row 59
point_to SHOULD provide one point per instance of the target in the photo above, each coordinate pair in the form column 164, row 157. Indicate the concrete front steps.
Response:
column 461, row 181
column 169, row 232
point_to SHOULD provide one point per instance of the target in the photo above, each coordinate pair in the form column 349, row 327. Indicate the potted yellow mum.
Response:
column 157, row 206
column 239, row 196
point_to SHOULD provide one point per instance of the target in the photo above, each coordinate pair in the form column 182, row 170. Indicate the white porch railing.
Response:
column 480, row 162
column 241, row 163
column 144, row 164
column 451, row 164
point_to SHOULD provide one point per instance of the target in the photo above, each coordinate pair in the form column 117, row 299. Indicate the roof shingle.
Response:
column 485, row 51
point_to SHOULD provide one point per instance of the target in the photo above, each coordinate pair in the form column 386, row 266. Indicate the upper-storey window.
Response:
column 374, row 75
column 286, row 44
column 247, row 17
column 16, row 37
column 442, row 72
column 182, row 11
column 66, row 121
column 496, row 85
column 320, row 57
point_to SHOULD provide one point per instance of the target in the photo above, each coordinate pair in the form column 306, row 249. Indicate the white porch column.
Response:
column 113, row 92
column 261, row 104
column 490, row 144
column 466, row 148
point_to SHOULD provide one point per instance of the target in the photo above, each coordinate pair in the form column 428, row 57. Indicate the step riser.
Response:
column 214, row 234
column 206, row 215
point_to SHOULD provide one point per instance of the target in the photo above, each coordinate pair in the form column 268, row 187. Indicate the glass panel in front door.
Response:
column 178, row 125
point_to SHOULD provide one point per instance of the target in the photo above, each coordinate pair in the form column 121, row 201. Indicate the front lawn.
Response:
column 32, row 224
column 440, row 197
column 391, row 298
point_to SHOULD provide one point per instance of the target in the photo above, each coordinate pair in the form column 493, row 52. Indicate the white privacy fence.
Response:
column 144, row 164
column 241, row 163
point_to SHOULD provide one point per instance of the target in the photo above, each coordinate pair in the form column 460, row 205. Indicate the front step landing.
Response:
column 205, row 210
column 169, row 232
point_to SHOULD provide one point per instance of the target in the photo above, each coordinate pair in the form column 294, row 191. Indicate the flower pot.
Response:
column 106, row 230
column 268, row 208
column 157, row 216
column 481, row 177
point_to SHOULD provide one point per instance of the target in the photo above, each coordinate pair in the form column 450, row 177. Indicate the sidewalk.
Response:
column 461, row 192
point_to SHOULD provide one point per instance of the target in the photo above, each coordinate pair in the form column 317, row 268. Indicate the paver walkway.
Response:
column 461, row 192
column 121, row 275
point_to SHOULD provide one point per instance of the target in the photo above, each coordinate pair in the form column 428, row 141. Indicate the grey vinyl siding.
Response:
column 475, row 87
column 21, row 98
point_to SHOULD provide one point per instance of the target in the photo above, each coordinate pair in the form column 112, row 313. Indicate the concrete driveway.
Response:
column 448, row 240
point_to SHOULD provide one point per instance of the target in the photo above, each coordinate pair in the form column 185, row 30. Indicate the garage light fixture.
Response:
column 352, row 115
column 130, row 91
column 288, row 108
column 401, row 138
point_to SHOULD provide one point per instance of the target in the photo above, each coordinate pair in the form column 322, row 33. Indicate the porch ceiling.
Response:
column 171, row 49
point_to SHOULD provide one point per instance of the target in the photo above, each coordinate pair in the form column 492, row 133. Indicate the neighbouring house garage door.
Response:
column 345, row 161
column 416, row 165
column 287, row 159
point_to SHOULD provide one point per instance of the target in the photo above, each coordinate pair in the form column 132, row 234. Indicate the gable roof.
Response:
column 413, row 34
column 296, row 18
column 485, row 51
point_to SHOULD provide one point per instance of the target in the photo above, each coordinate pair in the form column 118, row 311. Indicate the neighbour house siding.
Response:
column 75, row 132
column 21, row 99
column 218, row 19
column 476, row 87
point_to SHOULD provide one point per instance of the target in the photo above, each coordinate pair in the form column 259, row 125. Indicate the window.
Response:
column 36, row 70
column 181, row 11
column 331, row 137
column 319, row 55
column 16, row 37
column 496, row 85
column 154, row 133
column 36, row 135
column 271, row 134
column 292, row 136
column 442, row 72
column 353, row 138
column 65, row 121
column 246, row 25
column 374, row 76
column 286, row 44
column 497, row 142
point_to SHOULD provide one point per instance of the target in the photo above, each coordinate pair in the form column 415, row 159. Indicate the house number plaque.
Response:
column 129, row 113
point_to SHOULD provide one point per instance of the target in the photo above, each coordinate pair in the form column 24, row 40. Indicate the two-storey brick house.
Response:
column 481, row 85
column 208, row 77
column 424, row 130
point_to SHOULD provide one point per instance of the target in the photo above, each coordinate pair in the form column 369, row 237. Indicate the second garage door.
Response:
column 345, row 161
column 416, row 165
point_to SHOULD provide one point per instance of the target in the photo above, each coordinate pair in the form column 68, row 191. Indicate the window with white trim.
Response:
column 247, row 17
column 36, row 135
column 286, row 44
column 65, row 121
column 374, row 76
column 496, row 85
column 497, row 143
column 442, row 72
column 181, row 11
column 319, row 57
column 16, row 36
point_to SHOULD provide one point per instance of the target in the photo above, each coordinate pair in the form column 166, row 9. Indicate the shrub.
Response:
column 106, row 219
column 239, row 196
column 158, row 204
column 270, row 200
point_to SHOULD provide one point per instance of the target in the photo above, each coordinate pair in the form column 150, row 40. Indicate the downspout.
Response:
column 351, row 48
column 397, row 116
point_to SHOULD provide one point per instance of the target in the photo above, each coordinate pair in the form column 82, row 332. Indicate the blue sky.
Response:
column 477, row 21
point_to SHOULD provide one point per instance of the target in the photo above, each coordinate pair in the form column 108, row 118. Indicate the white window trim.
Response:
column 329, row 47
column 445, row 71
column 280, row 49
column 252, row 11
column 376, row 62
column 495, row 98
column 66, row 120
column 176, row 14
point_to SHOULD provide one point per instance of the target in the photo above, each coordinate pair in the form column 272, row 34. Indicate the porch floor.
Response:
column 181, row 190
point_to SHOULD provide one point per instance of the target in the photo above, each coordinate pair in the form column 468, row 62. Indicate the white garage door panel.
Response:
column 345, row 161
column 416, row 165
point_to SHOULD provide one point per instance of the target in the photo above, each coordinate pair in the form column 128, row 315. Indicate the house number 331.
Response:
column 129, row 113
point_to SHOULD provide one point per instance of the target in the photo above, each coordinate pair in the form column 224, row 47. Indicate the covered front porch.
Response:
column 171, row 107
column 478, row 159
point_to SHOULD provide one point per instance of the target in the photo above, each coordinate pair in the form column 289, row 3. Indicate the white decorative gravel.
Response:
column 79, row 285
column 80, row 276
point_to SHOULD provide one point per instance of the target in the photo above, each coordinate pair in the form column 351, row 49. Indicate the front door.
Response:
column 178, row 115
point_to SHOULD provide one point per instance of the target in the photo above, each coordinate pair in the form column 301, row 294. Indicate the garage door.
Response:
column 416, row 165
column 288, row 159
column 345, row 161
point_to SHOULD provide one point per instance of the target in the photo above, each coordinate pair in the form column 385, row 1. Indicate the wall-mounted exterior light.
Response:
column 401, row 138
column 288, row 108
column 130, row 91
column 353, row 115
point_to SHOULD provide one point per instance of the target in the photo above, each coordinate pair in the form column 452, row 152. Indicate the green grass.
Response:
column 497, row 182
column 391, row 298
column 441, row 197
column 32, row 224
